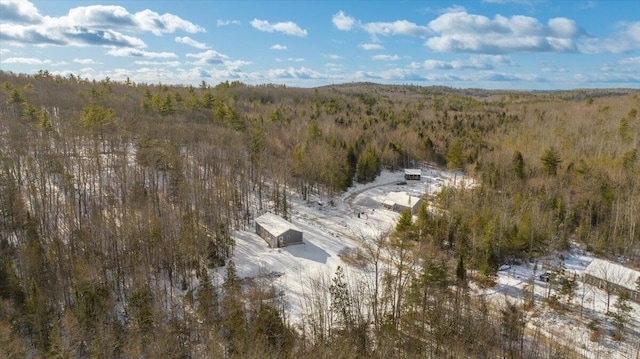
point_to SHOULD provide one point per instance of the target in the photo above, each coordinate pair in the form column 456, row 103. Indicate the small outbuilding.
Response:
column 613, row 277
column 412, row 174
column 401, row 201
column 277, row 231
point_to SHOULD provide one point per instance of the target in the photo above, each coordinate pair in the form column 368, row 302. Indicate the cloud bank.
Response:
column 85, row 26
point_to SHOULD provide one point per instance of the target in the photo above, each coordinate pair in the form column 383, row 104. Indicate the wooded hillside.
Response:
column 113, row 194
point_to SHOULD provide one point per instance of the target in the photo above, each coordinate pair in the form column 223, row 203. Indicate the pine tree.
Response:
column 461, row 272
column 455, row 155
column 340, row 298
column 621, row 316
column 234, row 321
column 368, row 165
column 551, row 161
column 207, row 299
column 518, row 164
column 167, row 108
column 269, row 329
column 405, row 222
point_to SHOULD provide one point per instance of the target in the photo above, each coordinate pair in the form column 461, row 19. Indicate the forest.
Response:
column 116, row 197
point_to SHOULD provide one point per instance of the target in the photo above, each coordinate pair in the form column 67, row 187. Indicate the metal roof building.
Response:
column 277, row 231
column 605, row 274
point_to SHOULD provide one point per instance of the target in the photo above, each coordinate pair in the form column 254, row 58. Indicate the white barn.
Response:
column 277, row 231
column 401, row 201
column 603, row 274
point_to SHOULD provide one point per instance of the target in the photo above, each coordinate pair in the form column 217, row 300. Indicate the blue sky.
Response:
column 495, row 44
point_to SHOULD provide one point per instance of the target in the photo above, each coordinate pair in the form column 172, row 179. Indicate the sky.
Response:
column 492, row 44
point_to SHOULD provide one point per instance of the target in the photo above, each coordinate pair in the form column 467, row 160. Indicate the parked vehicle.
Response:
column 545, row 277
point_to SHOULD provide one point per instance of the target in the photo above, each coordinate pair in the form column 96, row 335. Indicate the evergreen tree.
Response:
column 340, row 298
column 270, row 331
column 518, row 164
column 368, row 165
column 621, row 316
column 234, row 320
column 405, row 222
column 551, row 161
column 455, row 155
column 207, row 299
column 167, row 108
column 16, row 98
column 461, row 272
column 30, row 113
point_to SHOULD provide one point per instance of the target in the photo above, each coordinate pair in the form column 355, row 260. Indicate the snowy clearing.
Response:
column 570, row 324
column 333, row 225
column 330, row 226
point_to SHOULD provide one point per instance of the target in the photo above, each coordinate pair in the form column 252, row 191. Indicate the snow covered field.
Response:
column 331, row 225
column 570, row 324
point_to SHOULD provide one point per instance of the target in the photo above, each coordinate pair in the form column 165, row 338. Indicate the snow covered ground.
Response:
column 331, row 225
column 569, row 324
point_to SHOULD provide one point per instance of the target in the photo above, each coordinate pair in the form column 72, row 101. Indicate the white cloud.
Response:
column 191, row 42
column 212, row 58
column 236, row 64
column 399, row 27
column 128, row 52
column 209, row 57
column 627, row 39
column 385, row 57
column 19, row 11
column 463, row 32
column 522, row 2
column 332, row 56
column 553, row 69
column 481, row 62
column 630, row 61
column 85, row 61
column 608, row 77
column 73, row 36
column 287, row 28
column 440, row 10
column 221, row 23
column 342, row 21
column 291, row 59
column 631, row 30
column 332, row 66
column 396, row 74
column 564, row 28
column 370, row 46
column 85, row 25
column 158, row 63
column 26, row 61
column 109, row 16
column 434, row 65
column 291, row 73
column 455, row 8
column 4, row 51
column 278, row 47
column 500, row 60
column 166, row 23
